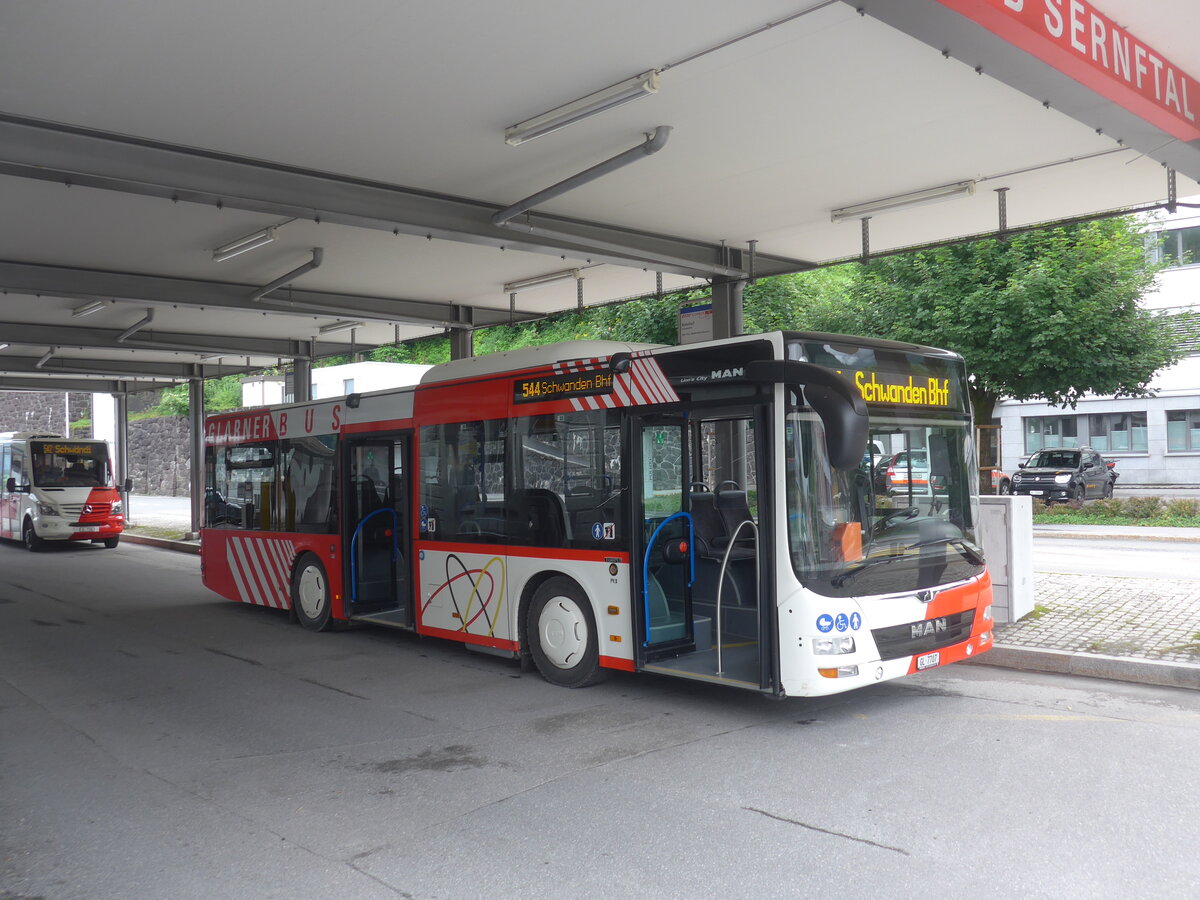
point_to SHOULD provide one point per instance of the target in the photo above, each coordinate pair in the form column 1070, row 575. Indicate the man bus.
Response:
column 705, row 511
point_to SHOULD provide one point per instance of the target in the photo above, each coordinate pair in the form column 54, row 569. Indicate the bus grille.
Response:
column 896, row 641
column 87, row 512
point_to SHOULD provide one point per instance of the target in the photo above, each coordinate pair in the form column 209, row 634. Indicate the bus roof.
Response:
column 529, row 358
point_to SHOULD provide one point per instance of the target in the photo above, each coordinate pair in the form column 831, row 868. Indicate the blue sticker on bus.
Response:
column 855, row 621
column 842, row 622
column 824, row 623
column 597, row 532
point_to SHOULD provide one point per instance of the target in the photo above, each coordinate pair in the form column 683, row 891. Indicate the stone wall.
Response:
column 160, row 456
column 159, row 451
column 42, row 411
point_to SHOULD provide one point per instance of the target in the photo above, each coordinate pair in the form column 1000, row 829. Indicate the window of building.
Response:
column 1183, row 430
column 1118, row 432
column 1177, row 247
column 1043, row 432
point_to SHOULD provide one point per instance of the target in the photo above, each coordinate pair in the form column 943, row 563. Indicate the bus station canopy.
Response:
column 196, row 189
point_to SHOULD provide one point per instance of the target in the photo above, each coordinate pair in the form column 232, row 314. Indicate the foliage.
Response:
column 219, row 394
column 1183, row 513
column 1050, row 314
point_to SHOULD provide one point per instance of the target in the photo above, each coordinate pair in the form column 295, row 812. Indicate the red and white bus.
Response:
column 705, row 511
column 57, row 489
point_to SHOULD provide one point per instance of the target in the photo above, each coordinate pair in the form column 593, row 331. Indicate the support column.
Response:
column 121, row 447
column 728, row 320
column 301, row 380
column 462, row 340
column 196, row 440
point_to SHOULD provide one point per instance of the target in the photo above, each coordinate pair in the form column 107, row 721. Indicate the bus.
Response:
column 705, row 511
column 57, row 489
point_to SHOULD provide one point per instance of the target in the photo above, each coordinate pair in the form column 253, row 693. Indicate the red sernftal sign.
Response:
column 1083, row 43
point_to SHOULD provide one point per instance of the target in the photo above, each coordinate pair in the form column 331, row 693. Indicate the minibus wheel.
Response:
column 29, row 536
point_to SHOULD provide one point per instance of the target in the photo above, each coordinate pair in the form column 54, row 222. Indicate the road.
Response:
column 158, row 741
column 1112, row 556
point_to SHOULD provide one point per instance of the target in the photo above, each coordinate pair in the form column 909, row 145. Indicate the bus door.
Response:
column 702, row 600
column 664, row 559
column 378, row 530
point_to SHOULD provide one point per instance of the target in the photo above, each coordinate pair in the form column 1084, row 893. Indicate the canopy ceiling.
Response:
column 137, row 136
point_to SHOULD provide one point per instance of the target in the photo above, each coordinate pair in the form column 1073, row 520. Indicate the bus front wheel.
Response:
column 111, row 543
column 310, row 593
column 562, row 635
column 29, row 536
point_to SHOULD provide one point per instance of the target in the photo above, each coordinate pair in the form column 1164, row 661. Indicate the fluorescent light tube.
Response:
column 3, row 346
column 903, row 201
column 538, row 280
column 88, row 308
column 339, row 326
column 569, row 113
column 245, row 244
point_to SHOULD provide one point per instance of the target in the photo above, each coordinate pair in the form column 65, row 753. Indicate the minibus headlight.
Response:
column 116, row 508
column 46, row 508
column 829, row 646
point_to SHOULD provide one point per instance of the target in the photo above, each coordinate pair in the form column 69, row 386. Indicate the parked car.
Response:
column 1078, row 473
column 908, row 473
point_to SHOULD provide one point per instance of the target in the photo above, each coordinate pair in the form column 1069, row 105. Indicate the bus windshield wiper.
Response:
column 840, row 580
column 969, row 551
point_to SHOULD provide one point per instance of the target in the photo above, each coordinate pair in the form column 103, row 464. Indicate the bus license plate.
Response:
column 1037, row 493
column 928, row 660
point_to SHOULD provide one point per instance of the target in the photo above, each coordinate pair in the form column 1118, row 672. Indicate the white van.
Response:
column 57, row 489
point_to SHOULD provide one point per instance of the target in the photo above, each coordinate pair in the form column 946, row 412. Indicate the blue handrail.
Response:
column 646, row 563
column 354, row 542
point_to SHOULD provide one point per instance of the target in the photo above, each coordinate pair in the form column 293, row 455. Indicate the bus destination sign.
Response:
column 562, row 387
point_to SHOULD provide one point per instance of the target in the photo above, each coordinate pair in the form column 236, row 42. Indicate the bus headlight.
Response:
column 987, row 612
column 46, row 508
column 830, row 646
column 116, row 508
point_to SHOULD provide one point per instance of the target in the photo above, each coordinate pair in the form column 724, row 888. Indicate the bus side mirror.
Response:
column 845, row 425
column 128, row 485
column 11, row 485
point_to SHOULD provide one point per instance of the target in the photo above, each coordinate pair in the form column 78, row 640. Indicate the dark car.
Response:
column 1077, row 473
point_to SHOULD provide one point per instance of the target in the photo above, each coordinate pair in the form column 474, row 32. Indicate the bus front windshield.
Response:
column 904, row 520
column 69, row 464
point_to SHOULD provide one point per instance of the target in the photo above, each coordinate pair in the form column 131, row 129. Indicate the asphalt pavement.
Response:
column 1129, row 628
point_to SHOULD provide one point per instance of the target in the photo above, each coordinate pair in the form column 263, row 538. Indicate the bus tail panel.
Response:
column 257, row 569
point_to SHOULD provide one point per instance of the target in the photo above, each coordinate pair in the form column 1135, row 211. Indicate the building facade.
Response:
column 1155, row 440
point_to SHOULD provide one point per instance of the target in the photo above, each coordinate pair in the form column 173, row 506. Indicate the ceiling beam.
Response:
column 30, row 148
column 24, row 333
column 82, row 385
column 98, row 284
column 127, row 368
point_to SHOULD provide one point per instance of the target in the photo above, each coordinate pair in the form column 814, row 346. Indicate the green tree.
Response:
column 1051, row 314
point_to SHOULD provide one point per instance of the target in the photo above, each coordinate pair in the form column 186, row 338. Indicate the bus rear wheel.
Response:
column 310, row 593
column 562, row 635
column 29, row 536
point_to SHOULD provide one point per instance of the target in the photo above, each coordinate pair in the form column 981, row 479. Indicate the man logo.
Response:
column 926, row 596
column 718, row 374
column 928, row 627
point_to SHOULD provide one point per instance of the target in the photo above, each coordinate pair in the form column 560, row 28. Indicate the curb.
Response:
column 1097, row 536
column 1093, row 665
column 164, row 543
